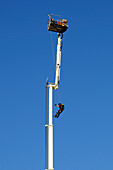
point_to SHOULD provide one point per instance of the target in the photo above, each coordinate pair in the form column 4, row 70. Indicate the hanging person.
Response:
column 61, row 108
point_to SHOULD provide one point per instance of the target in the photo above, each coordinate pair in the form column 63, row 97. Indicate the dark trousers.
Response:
column 58, row 113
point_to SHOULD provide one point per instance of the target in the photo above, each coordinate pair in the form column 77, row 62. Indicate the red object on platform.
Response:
column 59, row 23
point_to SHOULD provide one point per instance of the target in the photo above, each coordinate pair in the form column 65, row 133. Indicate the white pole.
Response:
column 58, row 61
column 50, row 131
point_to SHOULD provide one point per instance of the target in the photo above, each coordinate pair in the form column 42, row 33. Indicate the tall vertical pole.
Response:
column 46, row 129
column 50, row 130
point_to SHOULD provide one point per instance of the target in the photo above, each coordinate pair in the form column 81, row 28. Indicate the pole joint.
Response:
column 48, row 125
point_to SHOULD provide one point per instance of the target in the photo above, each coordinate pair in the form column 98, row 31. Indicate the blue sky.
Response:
column 83, row 134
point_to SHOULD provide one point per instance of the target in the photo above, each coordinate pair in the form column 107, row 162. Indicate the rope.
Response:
column 58, row 95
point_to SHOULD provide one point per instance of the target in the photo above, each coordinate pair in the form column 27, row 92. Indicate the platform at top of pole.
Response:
column 58, row 25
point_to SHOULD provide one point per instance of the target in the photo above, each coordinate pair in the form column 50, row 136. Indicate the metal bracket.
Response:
column 49, row 169
column 48, row 125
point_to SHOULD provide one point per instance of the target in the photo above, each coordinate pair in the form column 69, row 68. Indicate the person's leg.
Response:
column 59, row 113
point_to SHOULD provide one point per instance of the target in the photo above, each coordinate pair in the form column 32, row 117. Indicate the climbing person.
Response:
column 61, row 108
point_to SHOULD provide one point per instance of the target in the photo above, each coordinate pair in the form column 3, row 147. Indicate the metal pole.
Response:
column 58, row 61
column 46, row 129
column 50, row 131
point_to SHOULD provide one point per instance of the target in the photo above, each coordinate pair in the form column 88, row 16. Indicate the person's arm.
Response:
column 56, row 105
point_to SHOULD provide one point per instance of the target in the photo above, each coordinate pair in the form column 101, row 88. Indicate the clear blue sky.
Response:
column 84, row 132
